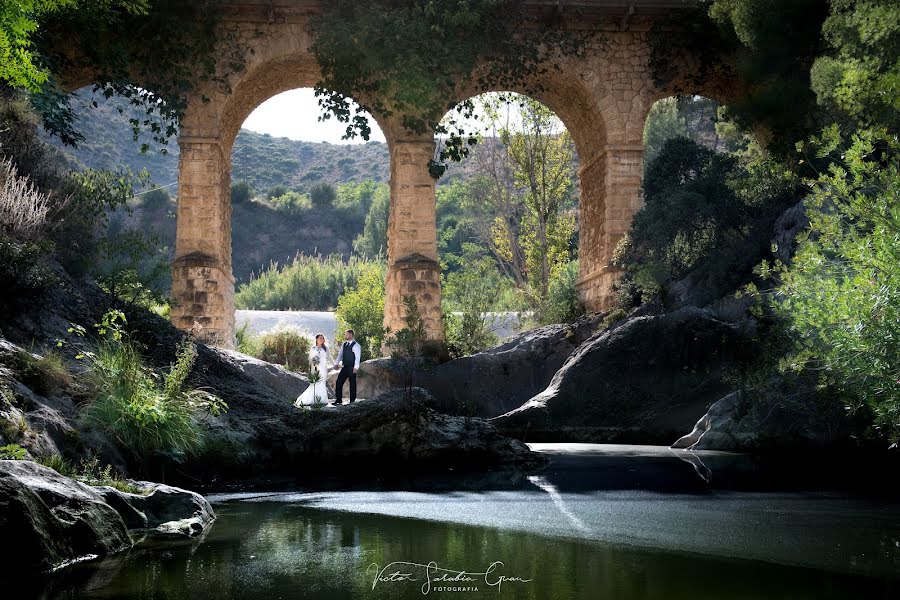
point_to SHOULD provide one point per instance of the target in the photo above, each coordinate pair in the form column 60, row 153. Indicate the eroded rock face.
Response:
column 646, row 381
column 49, row 520
column 489, row 383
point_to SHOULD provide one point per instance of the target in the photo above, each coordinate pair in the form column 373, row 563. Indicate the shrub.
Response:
column 12, row 452
column 292, row 202
column 561, row 304
column 24, row 209
column 372, row 241
column 24, row 274
column 322, row 195
column 362, row 309
column 288, row 346
column 146, row 413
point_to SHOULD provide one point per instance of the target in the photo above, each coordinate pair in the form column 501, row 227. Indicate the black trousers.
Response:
column 345, row 374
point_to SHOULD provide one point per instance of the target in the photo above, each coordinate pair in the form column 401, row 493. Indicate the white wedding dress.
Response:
column 308, row 397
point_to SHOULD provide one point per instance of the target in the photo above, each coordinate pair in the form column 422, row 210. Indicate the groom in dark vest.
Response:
column 348, row 362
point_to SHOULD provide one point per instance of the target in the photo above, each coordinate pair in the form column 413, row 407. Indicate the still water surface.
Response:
column 601, row 522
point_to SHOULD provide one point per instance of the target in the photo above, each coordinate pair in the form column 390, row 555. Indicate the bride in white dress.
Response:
column 318, row 361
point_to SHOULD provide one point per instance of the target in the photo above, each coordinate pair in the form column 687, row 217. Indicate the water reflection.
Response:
column 267, row 550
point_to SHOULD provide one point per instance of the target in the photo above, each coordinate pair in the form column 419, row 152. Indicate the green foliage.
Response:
column 860, row 77
column 20, row 63
column 89, row 472
column 768, row 45
column 132, row 268
column 703, row 211
column 663, row 123
column 293, row 203
column 24, row 273
column 561, row 304
column 288, row 346
column 155, row 77
column 322, row 195
column 144, row 411
column 241, row 192
column 308, row 283
column 361, row 308
column 408, row 341
column 473, row 290
column 426, row 38
column 12, row 452
column 840, row 297
column 372, row 242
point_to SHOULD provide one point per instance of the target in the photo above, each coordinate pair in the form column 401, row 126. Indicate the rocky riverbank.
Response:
column 49, row 521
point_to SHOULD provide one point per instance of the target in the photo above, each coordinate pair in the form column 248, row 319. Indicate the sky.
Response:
column 294, row 114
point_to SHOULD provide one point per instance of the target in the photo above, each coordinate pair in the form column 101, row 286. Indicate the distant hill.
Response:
column 260, row 159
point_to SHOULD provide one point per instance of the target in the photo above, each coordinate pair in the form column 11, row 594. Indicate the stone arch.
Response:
column 202, row 278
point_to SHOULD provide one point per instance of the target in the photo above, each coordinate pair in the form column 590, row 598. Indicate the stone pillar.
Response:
column 413, row 267
column 610, row 195
column 202, row 282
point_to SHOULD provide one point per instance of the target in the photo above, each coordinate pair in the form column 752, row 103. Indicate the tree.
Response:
column 372, row 241
column 241, row 193
column 664, row 122
column 543, row 153
column 322, row 195
column 362, row 309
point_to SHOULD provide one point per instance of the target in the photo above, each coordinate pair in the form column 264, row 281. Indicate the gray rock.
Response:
column 489, row 383
column 49, row 520
column 771, row 420
column 399, row 425
column 286, row 384
column 719, row 419
column 787, row 226
column 164, row 508
column 645, row 381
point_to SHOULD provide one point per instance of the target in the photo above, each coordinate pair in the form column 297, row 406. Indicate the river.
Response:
column 602, row 522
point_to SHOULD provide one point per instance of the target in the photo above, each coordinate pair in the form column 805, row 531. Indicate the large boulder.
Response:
column 645, row 381
column 161, row 507
column 286, row 384
column 486, row 384
column 777, row 418
column 49, row 520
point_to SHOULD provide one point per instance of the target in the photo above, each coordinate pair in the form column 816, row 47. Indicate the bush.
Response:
column 276, row 190
column 322, row 195
column 561, row 304
column 362, row 310
column 293, row 203
column 287, row 346
column 839, row 299
column 24, row 274
column 145, row 413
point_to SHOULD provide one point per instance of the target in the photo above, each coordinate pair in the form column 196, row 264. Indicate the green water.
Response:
column 554, row 540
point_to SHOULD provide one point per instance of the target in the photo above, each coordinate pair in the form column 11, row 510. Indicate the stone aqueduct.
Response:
column 603, row 99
